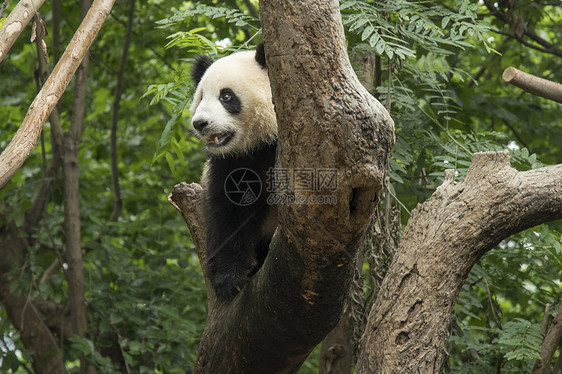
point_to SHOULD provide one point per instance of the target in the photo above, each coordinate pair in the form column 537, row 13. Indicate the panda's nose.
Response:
column 200, row 124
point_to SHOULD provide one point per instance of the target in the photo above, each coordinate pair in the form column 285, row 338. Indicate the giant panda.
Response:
column 233, row 115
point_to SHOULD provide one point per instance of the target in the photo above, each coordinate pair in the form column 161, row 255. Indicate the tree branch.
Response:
column 188, row 200
column 549, row 344
column 444, row 238
column 23, row 142
column 118, row 205
column 15, row 23
column 3, row 7
column 42, row 199
column 521, row 29
column 535, row 85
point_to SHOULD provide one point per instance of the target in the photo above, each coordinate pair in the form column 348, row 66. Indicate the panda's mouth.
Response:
column 219, row 140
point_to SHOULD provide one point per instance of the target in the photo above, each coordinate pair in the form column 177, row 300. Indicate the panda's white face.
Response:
column 232, row 110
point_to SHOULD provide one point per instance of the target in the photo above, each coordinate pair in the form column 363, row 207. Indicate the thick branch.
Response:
column 188, row 200
column 15, row 23
column 535, row 85
column 444, row 238
column 23, row 142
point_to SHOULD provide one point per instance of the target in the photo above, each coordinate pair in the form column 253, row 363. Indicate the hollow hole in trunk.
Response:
column 361, row 200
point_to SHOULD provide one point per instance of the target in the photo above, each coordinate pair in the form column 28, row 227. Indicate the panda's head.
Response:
column 232, row 110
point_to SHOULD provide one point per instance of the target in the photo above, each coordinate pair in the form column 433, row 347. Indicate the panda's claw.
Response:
column 228, row 285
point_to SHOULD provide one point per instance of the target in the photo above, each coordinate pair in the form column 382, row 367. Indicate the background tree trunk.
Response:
column 35, row 334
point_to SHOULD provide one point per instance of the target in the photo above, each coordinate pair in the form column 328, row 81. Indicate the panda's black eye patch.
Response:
column 230, row 101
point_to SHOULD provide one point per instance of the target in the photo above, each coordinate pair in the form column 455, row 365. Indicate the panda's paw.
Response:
column 228, row 285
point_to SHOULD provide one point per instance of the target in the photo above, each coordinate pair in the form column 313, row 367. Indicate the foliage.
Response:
column 234, row 16
column 393, row 27
column 501, row 322
column 443, row 116
column 520, row 340
column 146, row 298
column 416, row 39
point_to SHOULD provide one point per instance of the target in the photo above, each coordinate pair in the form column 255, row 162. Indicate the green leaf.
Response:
column 367, row 32
column 380, row 47
column 375, row 38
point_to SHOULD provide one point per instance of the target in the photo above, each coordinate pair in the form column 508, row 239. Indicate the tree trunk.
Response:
column 30, row 322
column 72, row 225
column 336, row 355
column 328, row 123
column 445, row 236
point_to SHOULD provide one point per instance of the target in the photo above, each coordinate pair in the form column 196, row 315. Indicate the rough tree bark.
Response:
column 339, row 346
column 444, row 238
column 327, row 120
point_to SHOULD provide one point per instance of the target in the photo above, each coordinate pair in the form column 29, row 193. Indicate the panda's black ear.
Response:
column 260, row 55
column 199, row 67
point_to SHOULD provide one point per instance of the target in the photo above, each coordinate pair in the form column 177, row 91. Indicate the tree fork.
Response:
column 326, row 120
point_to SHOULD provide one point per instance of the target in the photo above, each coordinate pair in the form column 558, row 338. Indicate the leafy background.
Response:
column 144, row 286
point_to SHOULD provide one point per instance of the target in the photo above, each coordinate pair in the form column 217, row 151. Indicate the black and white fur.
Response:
column 232, row 113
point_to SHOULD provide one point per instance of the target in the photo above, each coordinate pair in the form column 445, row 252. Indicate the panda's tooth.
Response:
column 216, row 139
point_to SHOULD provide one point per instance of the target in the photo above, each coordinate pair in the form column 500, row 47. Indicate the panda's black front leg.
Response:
column 230, row 268
column 233, row 241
